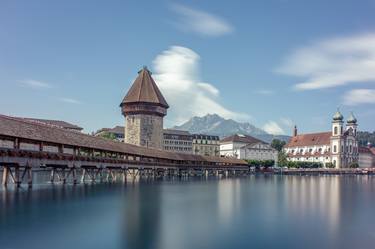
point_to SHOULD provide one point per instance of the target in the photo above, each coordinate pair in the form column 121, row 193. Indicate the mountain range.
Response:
column 213, row 124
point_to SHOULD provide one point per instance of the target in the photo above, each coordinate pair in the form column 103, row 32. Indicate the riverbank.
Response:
column 346, row 171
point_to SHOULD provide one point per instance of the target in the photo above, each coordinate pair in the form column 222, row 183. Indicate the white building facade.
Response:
column 247, row 147
column 177, row 141
column 338, row 146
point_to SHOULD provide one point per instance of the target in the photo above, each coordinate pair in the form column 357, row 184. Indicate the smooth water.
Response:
column 253, row 212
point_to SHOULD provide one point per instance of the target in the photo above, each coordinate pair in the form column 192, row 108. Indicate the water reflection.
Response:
column 141, row 217
column 260, row 211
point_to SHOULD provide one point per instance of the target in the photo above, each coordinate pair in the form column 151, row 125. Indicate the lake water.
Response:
column 259, row 211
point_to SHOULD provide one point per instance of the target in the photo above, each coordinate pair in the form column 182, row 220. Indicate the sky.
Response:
column 273, row 63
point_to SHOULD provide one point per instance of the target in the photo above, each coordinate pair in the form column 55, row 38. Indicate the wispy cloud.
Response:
column 70, row 101
column 359, row 96
column 274, row 128
column 265, row 92
column 35, row 83
column 176, row 73
column 287, row 122
column 200, row 22
column 333, row 62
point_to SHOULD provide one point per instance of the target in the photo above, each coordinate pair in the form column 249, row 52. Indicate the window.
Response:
column 334, row 148
column 335, row 130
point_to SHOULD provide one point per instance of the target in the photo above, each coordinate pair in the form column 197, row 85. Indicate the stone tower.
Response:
column 144, row 108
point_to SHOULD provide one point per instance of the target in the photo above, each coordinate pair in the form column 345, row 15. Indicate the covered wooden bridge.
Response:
column 26, row 146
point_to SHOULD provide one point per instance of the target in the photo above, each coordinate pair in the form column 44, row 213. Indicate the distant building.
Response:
column 206, row 145
column 366, row 157
column 247, row 147
column 54, row 123
column 144, row 108
column 117, row 132
column 338, row 146
column 177, row 141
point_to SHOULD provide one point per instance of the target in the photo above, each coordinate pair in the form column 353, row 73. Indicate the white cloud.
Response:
column 333, row 62
column 35, row 83
column 287, row 122
column 176, row 74
column 200, row 22
column 70, row 101
column 272, row 127
column 359, row 96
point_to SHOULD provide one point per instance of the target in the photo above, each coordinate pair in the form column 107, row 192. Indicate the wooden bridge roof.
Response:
column 18, row 128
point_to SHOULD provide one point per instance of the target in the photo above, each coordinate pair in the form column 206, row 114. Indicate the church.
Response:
column 338, row 146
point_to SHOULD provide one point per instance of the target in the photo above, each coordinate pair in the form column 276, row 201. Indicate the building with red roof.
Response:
column 338, row 146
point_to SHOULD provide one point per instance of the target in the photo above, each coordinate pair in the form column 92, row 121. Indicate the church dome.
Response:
column 338, row 116
column 351, row 119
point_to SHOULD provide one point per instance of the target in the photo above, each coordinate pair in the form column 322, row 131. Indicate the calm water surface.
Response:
column 253, row 212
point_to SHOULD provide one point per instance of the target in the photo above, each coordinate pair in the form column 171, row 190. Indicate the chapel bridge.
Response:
column 27, row 146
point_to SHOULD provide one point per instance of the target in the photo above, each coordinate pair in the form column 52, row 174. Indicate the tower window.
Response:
column 334, row 148
column 335, row 130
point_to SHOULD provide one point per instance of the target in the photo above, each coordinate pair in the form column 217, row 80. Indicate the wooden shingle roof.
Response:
column 20, row 128
column 144, row 90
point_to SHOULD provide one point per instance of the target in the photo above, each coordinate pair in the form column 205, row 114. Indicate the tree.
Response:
column 282, row 159
column 330, row 165
column 353, row 165
column 278, row 144
column 108, row 135
column 365, row 137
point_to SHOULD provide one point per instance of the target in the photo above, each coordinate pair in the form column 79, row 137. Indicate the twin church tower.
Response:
column 144, row 108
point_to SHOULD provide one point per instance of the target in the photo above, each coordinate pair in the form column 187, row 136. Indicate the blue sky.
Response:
column 273, row 63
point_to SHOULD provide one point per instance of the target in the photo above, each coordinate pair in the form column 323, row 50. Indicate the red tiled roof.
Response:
column 21, row 128
column 363, row 149
column 320, row 138
column 241, row 139
column 144, row 90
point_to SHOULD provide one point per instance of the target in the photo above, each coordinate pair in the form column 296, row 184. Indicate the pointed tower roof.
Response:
column 144, row 90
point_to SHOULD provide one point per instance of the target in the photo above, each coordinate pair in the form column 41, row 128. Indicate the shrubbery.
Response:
column 261, row 163
column 330, row 165
column 353, row 165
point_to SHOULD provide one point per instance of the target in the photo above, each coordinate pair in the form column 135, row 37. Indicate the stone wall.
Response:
column 144, row 130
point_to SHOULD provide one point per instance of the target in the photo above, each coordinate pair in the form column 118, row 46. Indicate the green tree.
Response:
column 353, row 165
column 278, row 144
column 330, row 165
column 108, row 135
column 282, row 160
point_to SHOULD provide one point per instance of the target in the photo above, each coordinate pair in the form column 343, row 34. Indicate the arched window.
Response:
column 334, row 148
column 335, row 130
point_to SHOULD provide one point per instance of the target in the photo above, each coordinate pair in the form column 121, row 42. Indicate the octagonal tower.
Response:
column 144, row 108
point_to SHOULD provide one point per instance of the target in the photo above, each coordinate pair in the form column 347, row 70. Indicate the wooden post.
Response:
column 124, row 176
column 63, row 176
column 74, row 174
column 30, row 176
column 17, row 176
column 52, row 177
column 83, row 178
column 5, row 175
